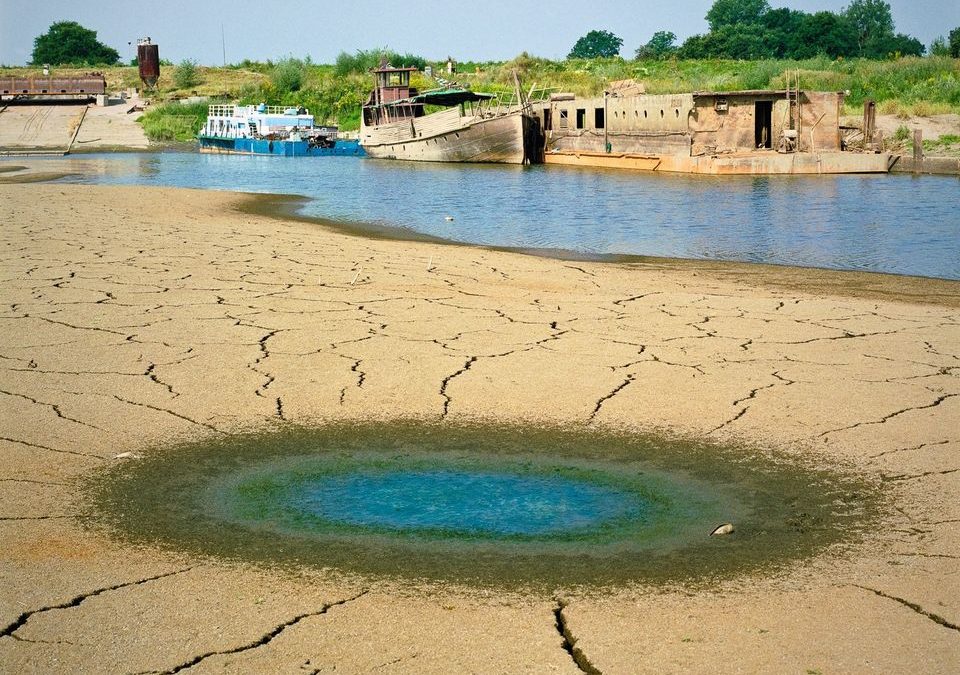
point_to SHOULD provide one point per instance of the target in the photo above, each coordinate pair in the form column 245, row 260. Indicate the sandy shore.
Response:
column 134, row 316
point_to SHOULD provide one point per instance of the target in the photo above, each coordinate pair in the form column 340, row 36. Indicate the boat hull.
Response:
column 748, row 163
column 495, row 139
column 258, row 146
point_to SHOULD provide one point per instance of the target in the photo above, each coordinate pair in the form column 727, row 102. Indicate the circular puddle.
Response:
column 489, row 505
column 463, row 503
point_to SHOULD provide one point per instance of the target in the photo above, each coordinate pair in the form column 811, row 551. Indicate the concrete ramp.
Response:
column 33, row 129
column 59, row 129
column 110, row 128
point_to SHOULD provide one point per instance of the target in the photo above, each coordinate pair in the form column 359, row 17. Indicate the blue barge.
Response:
column 271, row 130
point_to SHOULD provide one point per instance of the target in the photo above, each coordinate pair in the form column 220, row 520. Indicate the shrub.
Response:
column 288, row 75
column 185, row 75
column 366, row 60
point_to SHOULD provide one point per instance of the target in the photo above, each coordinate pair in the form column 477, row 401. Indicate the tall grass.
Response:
column 933, row 80
column 174, row 121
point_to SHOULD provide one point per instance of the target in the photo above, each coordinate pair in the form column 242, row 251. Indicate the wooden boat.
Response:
column 472, row 127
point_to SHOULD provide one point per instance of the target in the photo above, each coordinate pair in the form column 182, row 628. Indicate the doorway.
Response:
column 763, row 125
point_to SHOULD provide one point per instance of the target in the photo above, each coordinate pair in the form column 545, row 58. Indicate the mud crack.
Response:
column 19, row 622
column 168, row 411
column 570, row 641
column 886, row 418
column 53, row 406
column 48, row 448
column 603, row 399
column 446, row 382
column 936, row 618
column 264, row 639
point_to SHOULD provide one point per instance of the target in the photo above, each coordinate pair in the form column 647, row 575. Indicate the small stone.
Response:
column 127, row 455
column 726, row 528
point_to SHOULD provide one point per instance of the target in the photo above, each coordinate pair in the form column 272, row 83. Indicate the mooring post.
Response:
column 606, row 123
column 869, row 121
column 917, row 150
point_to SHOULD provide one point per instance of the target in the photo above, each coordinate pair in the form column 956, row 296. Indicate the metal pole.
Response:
column 223, row 41
column 918, row 150
column 606, row 123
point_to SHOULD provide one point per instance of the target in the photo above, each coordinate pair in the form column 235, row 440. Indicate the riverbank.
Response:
column 133, row 317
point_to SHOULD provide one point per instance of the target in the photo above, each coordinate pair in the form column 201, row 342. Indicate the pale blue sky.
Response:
column 476, row 30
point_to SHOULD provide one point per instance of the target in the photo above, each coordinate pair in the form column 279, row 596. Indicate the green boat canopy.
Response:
column 449, row 97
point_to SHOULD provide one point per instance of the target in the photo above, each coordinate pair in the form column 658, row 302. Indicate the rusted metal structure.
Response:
column 83, row 87
column 148, row 59
column 747, row 132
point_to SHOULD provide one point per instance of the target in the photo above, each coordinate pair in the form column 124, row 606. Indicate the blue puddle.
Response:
column 466, row 503
column 482, row 505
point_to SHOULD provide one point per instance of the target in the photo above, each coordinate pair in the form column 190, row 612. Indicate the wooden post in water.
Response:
column 917, row 150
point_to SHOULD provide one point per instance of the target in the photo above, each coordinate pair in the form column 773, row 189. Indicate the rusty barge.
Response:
column 787, row 131
column 82, row 88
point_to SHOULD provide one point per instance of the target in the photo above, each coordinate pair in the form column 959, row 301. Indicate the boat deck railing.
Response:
column 231, row 110
column 504, row 104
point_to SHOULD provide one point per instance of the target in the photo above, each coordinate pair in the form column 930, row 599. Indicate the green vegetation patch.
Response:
column 175, row 121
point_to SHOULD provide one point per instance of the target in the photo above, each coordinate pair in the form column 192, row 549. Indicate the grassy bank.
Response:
column 334, row 93
column 908, row 86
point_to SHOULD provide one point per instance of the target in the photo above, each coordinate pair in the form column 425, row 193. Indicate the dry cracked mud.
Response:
column 131, row 317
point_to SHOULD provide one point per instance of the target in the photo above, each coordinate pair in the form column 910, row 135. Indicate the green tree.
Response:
column 825, row 33
column 185, row 75
column 742, row 41
column 660, row 46
column 780, row 29
column 955, row 43
column 288, row 75
column 939, row 47
column 69, row 43
column 596, row 43
column 896, row 45
column 873, row 23
column 736, row 12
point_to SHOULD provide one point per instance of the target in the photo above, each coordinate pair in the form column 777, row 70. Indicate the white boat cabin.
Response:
column 257, row 121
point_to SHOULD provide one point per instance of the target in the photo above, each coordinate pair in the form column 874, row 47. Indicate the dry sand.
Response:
column 132, row 316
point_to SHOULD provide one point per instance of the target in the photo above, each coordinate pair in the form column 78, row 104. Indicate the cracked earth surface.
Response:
column 135, row 316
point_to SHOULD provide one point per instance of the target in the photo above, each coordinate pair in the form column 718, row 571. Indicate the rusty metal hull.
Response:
column 88, row 86
column 753, row 163
column 496, row 139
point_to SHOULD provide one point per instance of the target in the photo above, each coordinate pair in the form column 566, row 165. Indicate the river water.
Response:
column 896, row 224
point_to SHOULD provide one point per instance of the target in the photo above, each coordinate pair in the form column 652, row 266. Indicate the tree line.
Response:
column 752, row 29
column 739, row 29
